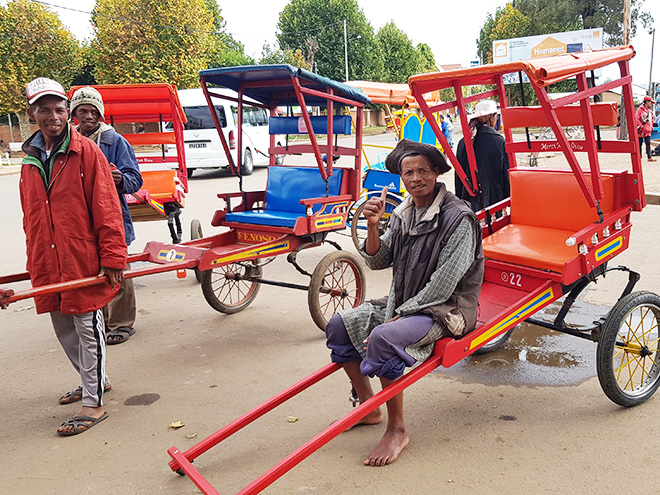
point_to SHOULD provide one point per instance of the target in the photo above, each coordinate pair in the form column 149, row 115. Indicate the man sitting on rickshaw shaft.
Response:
column 433, row 243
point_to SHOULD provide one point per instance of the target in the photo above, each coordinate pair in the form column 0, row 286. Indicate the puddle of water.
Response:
column 142, row 400
column 536, row 356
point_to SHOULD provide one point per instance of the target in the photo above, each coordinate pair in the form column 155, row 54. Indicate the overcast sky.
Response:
column 448, row 27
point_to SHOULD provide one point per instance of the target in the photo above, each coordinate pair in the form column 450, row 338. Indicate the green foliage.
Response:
column 152, row 41
column 277, row 56
column 551, row 16
column 507, row 23
column 428, row 60
column 226, row 51
column 85, row 76
column 33, row 43
column 400, row 57
column 315, row 27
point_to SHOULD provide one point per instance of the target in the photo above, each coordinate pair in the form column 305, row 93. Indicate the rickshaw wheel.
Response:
column 196, row 233
column 338, row 282
column 627, row 357
column 225, row 288
column 359, row 222
column 495, row 344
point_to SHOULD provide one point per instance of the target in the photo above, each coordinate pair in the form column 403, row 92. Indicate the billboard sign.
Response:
column 546, row 45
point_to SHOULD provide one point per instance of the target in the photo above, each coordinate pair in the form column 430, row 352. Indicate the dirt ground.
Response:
column 191, row 364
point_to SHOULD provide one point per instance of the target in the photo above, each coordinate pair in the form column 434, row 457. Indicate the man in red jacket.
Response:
column 74, row 229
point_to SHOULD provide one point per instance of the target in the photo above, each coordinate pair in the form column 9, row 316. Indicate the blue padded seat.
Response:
column 285, row 188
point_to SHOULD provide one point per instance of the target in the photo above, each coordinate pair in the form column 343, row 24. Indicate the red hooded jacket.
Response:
column 74, row 226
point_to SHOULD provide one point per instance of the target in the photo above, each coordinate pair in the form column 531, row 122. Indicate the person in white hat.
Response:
column 73, row 228
column 644, row 121
column 88, row 109
column 490, row 154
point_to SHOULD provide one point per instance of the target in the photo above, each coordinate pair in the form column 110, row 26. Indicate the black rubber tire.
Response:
column 495, row 344
column 220, row 291
column 189, row 172
column 196, row 233
column 338, row 270
column 247, row 167
column 359, row 222
column 630, row 335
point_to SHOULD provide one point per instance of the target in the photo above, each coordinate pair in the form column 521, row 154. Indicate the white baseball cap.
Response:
column 484, row 107
column 42, row 86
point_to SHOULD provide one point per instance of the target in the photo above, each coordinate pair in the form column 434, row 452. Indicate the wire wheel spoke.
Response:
column 226, row 290
column 635, row 362
column 337, row 283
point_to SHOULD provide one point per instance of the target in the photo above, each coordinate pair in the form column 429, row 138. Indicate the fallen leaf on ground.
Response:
column 192, row 435
column 176, row 424
column 292, row 419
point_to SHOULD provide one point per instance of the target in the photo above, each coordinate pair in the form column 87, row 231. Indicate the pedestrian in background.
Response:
column 447, row 128
column 490, row 154
column 644, row 121
column 88, row 109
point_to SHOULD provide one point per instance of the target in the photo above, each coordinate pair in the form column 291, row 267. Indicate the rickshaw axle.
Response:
column 324, row 290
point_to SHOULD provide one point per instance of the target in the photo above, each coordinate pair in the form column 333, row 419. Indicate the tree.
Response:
column 227, row 51
column 428, row 60
column 152, row 41
column 535, row 17
column 400, row 57
column 507, row 23
column 33, row 43
column 276, row 56
column 316, row 28
column 551, row 16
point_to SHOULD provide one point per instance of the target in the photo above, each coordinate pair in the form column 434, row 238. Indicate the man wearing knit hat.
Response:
column 88, row 109
column 73, row 230
column 433, row 244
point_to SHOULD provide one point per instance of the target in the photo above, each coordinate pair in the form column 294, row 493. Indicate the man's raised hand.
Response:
column 374, row 208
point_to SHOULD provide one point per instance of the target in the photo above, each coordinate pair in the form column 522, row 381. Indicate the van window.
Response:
column 200, row 117
column 252, row 116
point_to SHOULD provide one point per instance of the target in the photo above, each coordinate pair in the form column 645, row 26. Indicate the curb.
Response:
column 653, row 198
column 10, row 169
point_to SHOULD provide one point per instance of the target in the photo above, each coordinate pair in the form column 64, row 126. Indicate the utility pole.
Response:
column 623, row 123
column 11, row 129
column 649, row 92
column 346, row 49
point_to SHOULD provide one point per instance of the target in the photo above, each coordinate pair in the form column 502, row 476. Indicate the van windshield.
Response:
column 200, row 117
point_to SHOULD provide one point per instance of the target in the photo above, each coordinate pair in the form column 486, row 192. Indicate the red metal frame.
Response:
column 130, row 103
column 510, row 293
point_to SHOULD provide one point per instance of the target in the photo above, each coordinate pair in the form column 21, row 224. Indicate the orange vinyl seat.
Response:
column 603, row 113
column 547, row 207
column 161, row 184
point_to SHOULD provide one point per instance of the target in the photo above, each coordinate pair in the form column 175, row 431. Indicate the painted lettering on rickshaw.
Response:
column 557, row 147
column 511, row 278
column 254, row 238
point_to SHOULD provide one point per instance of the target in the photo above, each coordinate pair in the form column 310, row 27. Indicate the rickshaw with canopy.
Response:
column 298, row 208
column 555, row 235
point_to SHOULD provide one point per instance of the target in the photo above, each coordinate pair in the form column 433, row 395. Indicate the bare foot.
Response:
column 388, row 449
column 93, row 412
column 375, row 417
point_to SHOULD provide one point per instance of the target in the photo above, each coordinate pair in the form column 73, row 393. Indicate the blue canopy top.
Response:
column 234, row 77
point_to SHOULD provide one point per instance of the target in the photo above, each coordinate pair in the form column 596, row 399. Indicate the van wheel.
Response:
column 248, row 164
column 189, row 172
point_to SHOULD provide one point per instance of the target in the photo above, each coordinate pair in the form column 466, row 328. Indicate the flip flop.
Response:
column 76, row 396
column 119, row 335
column 80, row 424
